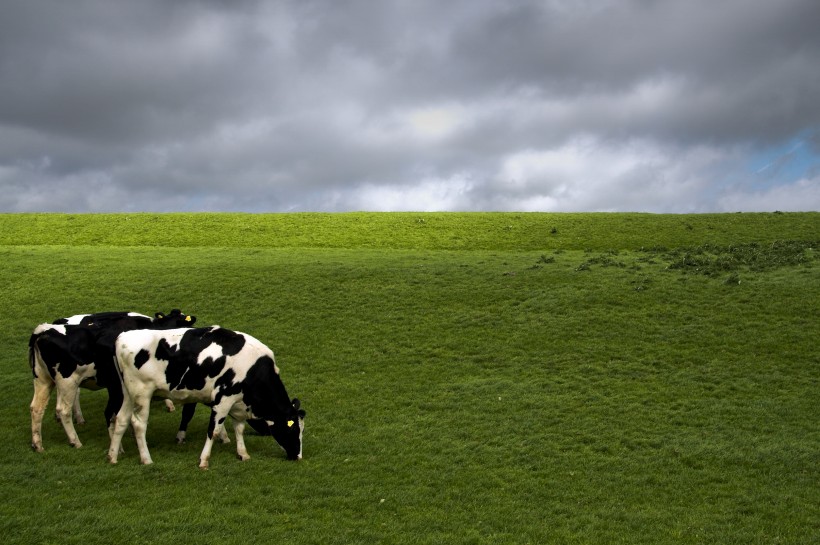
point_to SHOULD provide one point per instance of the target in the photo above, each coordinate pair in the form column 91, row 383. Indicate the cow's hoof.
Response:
column 243, row 458
column 37, row 448
column 76, row 444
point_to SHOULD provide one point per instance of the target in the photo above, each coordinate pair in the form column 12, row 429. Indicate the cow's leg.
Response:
column 205, row 456
column 42, row 391
column 139, row 421
column 111, row 408
column 222, row 435
column 120, row 425
column 66, row 393
column 239, row 431
column 216, row 426
column 78, row 411
column 56, row 407
column 187, row 414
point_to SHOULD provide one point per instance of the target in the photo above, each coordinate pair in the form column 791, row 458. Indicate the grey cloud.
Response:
column 327, row 105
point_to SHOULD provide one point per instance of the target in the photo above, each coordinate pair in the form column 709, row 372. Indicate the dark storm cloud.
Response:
column 480, row 104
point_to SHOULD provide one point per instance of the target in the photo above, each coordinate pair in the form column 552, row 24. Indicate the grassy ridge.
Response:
column 419, row 231
column 521, row 395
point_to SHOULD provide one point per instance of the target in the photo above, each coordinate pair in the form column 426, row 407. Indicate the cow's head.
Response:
column 173, row 320
column 288, row 431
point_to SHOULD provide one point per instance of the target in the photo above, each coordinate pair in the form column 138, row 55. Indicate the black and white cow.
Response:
column 232, row 372
column 79, row 351
column 101, row 319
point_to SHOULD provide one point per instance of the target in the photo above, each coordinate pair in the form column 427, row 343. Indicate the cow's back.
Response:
column 103, row 319
column 186, row 364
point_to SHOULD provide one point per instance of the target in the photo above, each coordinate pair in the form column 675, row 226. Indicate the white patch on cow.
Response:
column 76, row 319
column 80, row 375
column 46, row 327
column 213, row 351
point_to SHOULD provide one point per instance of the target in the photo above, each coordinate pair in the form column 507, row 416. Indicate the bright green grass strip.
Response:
column 433, row 231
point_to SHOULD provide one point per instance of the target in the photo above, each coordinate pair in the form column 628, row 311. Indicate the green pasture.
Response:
column 468, row 378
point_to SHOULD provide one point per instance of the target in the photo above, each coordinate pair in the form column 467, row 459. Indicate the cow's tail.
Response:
column 117, row 365
column 32, row 356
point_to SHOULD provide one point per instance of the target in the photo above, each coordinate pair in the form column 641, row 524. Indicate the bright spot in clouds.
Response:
column 433, row 123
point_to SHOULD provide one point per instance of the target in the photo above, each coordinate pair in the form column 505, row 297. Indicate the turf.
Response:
column 468, row 378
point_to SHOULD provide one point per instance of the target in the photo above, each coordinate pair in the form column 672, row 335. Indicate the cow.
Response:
column 79, row 351
column 100, row 318
column 232, row 372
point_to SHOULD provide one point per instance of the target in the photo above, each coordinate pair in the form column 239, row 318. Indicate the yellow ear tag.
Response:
column 187, row 318
column 290, row 423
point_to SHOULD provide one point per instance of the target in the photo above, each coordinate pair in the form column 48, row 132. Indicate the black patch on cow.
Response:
column 226, row 382
column 184, row 372
column 63, row 353
column 230, row 341
column 226, row 385
column 211, row 424
column 265, row 393
column 141, row 358
column 164, row 350
column 260, row 426
column 117, row 320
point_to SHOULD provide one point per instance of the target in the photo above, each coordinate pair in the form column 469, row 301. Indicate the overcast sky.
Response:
column 532, row 105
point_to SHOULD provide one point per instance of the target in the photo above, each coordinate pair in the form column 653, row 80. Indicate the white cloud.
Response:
column 590, row 174
column 800, row 196
column 431, row 195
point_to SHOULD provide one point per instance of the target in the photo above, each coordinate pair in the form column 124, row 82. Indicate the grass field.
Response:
column 468, row 378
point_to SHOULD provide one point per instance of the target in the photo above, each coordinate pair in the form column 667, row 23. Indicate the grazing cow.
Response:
column 232, row 372
column 79, row 351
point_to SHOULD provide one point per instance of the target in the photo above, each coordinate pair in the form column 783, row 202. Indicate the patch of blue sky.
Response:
column 786, row 163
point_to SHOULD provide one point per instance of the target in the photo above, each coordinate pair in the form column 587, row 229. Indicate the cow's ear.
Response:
column 301, row 414
column 296, row 403
column 159, row 315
